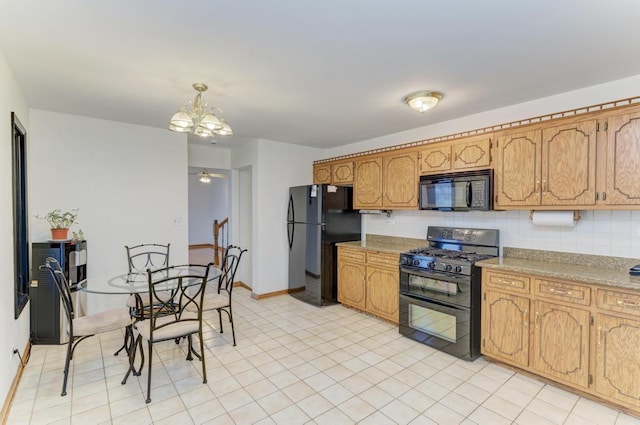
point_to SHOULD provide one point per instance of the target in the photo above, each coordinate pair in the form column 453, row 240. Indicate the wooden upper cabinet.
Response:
column 367, row 186
column 623, row 160
column 569, row 164
column 473, row 153
column 467, row 154
column 400, row 180
column 435, row 158
column 517, row 173
column 547, row 167
column 322, row 173
column 342, row 173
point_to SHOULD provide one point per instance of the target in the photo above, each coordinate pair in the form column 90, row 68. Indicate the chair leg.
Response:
column 149, row 377
column 139, row 372
column 202, row 356
column 233, row 331
column 132, row 358
column 189, row 348
column 66, row 367
column 220, row 319
column 127, row 341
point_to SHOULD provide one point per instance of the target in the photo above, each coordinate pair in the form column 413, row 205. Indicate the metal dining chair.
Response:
column 221, row 299
column 84, row 327
column 173, row 312
column 140, row 258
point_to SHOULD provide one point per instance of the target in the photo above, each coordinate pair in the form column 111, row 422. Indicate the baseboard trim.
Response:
column 268, row 294
column 241, row 284
column 6, row 407
column 202, row 245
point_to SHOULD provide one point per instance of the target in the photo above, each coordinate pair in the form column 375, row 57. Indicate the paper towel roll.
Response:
column 553, row 218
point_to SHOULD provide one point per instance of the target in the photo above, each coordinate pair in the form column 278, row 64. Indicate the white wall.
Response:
column 13, row 333
column 207, row 202
column 275, row 167
column 209, row 156
column 128, row 181
column 614, row 233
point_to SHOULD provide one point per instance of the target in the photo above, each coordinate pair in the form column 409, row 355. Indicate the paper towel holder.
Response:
column 576, row 215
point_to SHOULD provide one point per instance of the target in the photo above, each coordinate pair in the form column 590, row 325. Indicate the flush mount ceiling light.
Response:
column 422, row 101
column 198, row 118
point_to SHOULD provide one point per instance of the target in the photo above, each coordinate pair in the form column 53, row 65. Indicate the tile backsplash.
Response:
column 607, row 232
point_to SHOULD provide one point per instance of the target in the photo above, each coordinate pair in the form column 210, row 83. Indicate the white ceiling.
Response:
column 317, row 73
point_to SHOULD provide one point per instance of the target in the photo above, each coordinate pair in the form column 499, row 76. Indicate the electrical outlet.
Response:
column 177, row 222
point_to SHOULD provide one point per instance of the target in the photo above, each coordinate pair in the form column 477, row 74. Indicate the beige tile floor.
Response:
column 294, row 364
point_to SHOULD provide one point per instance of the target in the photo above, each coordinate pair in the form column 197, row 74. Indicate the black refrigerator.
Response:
column 318, row 216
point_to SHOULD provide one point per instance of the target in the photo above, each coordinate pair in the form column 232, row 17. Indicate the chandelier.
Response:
column 198, row 118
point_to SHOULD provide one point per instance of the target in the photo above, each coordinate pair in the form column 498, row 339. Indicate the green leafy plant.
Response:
column 60, row 220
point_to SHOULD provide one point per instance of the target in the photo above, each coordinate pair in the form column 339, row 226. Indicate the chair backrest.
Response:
column 53, row 266
column 229, row 267
column 147, row 256
column 172, row 290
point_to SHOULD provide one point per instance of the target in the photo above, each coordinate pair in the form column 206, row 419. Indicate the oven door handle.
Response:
column 434, row 304
column 437, row 275
column 469, row 194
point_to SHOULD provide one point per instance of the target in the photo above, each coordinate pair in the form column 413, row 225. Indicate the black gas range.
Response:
column 440, row 289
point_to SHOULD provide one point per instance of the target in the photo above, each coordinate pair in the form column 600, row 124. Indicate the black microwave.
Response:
column 457, row 192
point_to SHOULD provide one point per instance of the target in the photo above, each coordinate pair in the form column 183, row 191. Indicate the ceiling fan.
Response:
column 205, row 176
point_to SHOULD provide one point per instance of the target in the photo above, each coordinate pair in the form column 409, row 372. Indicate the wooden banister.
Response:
column 218, row 249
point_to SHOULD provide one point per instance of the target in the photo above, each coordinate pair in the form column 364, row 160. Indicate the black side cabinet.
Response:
column 47, row 314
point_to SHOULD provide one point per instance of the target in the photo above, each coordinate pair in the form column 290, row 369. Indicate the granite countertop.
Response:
column 595, row 269
column 389, row 244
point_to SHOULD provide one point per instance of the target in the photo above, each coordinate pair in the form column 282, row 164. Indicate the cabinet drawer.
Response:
column 511, row 282
column 383, row 259
column 351, row 254
column 569, row 292
column 618, row 301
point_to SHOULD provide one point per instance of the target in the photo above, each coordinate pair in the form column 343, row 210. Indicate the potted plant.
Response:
column 60, row 222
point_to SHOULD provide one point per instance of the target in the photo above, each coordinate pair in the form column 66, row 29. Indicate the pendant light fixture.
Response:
column 423, row 100
column 198, row 118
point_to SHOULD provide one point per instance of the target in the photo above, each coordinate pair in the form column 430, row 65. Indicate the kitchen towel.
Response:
column 553, row 218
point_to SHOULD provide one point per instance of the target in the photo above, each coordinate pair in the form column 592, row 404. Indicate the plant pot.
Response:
column 59, row 234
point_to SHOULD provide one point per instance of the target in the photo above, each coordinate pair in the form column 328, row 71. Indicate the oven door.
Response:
column 443, row 287
column 448, row 328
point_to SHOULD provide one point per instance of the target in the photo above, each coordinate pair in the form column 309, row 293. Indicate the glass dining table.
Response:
column 137, row 284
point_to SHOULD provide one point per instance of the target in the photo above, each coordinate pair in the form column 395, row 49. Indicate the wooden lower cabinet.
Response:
column 560, row 332
column 382, row 292
column 352, row 289
column 368, row 281
column 560, row 346
column 505, row 327
column 617, row 374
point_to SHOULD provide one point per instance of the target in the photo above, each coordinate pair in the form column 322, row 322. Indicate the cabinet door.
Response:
column 435, row 158
column 518, row 169
column 342, row 173
column 569, row 164
column 623, row 160
column 367, row 186
column 505, row 327
column 400, row 173
column 474, row 153
column 351, row 283
column 618, row 358
column 322, row 173
column 382, row 292
column 561, row 343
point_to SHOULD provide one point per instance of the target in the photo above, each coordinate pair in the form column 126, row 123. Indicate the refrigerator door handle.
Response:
column 291, row 212
column 291, row 228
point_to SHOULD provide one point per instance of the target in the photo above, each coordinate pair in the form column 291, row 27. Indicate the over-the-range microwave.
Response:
column 457, row 191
